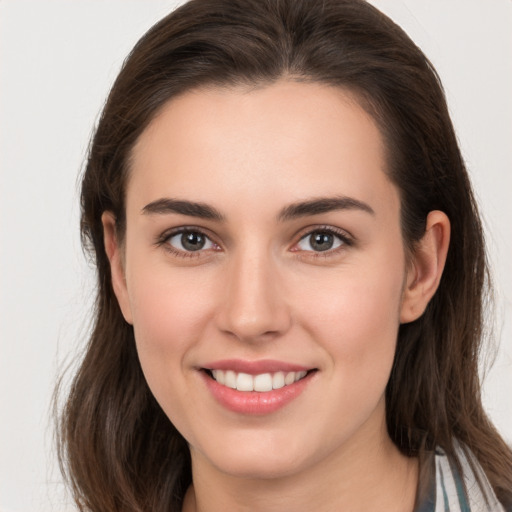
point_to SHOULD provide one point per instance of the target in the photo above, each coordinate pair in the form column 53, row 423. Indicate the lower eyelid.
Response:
column 184, row 254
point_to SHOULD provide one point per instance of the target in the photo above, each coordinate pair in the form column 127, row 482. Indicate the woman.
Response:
column 291, row 275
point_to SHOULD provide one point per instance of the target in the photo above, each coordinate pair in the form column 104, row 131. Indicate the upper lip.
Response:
column 255, row 367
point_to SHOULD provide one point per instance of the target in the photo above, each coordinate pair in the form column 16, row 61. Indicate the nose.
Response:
column 253, row 306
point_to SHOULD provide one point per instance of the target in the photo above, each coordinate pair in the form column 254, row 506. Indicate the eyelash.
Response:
column 163, row 241
column 345, row 239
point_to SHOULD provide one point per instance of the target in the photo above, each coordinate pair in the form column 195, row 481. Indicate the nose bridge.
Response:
column 254, row 306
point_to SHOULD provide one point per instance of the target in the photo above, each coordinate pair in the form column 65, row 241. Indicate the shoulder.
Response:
column 450, row 485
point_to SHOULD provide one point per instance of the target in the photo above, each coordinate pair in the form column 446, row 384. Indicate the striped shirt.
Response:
column 442, row 488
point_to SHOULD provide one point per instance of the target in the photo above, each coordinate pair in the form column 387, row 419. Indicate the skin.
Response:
column 259, row 290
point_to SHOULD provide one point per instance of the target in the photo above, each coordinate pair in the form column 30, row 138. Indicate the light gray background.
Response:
column 57, row 61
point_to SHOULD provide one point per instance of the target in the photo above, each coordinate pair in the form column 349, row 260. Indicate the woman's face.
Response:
column 263, row 249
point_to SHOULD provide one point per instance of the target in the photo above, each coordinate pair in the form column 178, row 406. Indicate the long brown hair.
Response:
column 117, row 447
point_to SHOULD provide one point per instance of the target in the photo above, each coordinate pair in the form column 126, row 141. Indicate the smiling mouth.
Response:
column 262, row 382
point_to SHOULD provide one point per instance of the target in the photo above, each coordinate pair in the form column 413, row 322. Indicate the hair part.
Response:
column 119, row 449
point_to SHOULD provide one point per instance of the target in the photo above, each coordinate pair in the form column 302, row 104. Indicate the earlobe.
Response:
column 114, row 254
column 426, row 268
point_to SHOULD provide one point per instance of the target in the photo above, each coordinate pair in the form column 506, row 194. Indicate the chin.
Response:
column 259, row 455
column 260, row 468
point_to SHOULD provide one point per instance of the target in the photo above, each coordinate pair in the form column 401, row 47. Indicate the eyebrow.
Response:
column 314, row 206
column 323, row 205
column 190, row 208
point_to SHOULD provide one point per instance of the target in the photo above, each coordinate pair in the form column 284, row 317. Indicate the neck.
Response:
column 368, row 474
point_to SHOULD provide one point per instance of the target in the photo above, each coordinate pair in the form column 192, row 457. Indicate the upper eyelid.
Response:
column 169, row 233
column 342, row 233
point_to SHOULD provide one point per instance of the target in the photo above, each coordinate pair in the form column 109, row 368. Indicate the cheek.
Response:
column 355, row 316
column 361, row 344
column 168, row 306
column 169, row 313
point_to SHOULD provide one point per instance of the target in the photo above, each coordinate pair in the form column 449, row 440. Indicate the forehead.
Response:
column 285, row 139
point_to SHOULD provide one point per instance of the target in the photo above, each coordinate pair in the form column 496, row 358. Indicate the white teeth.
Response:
column 289, row 378
column 244, row 382
column 261, row 383
column 230, row 379
column 278, row 380
column 218, row 375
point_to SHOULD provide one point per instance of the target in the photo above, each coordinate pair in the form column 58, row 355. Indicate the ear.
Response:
column 115, row 256
column 426, row 267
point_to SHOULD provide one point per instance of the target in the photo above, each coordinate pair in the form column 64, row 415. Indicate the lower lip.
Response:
column 255, row 402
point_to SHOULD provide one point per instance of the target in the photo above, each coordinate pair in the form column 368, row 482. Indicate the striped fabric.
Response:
column 443, row 489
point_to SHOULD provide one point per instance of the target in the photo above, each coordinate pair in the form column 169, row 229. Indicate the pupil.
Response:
column 192, row 241
column 322, row 241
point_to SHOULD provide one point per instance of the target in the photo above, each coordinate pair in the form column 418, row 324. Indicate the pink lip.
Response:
column 255, row 367
column 255, row 402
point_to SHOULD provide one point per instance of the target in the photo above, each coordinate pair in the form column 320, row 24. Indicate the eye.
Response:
column 190, row 241
column 321, row 241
